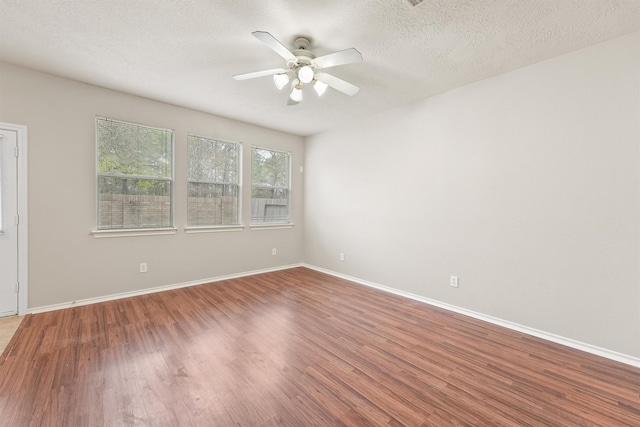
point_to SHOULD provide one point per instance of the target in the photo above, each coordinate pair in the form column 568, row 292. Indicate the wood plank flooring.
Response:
column 298, row 348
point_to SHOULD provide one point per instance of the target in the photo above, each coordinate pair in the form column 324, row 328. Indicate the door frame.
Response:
column 23, row 222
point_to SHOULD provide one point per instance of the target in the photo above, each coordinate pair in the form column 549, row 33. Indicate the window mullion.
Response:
column 131, row 176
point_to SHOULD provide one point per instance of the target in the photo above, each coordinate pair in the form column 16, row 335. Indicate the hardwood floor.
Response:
column 298, row 348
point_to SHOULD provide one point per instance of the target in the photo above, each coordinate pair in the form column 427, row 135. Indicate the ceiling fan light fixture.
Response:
column 305, row 68
column 280, row 80
column 320, row 87
column 305, row 74
column 296, row 91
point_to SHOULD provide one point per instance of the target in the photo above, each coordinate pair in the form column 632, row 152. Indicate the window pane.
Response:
column 214, row 182
column 213, row 161
column 270, row 186
column 270, row 168
column 269, row 206
column 212, row 204
column 133, row 203
column 125, row 148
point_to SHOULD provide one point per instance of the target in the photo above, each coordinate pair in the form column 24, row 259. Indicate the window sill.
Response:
column 135, row 232
column 213, row 229
column 274, row 226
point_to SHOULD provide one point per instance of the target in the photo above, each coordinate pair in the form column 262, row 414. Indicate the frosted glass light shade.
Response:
column 280, row 80
column 320, row 87
column 305, row 74
column 296, row 92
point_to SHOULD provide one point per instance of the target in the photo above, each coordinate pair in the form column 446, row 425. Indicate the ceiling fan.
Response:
column 303, row 67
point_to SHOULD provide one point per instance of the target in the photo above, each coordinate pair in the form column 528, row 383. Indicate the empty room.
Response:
column 305, row 213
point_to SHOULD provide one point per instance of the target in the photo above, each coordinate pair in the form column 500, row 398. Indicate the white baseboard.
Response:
column 609, row 354
column 112, row 297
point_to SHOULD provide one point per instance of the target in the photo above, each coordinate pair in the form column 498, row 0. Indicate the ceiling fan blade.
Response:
column 274, row 44
column 343, row 57
column 259, row 74
column 338, row 84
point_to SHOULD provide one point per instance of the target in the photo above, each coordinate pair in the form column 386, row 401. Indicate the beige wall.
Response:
column 66, row 262
column 526, row 186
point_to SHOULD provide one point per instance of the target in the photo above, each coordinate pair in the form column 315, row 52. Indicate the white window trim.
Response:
column 272, row 226
column 213, row 229
column 133, row 232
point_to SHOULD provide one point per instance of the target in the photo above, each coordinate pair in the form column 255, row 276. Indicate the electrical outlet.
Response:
column 274, row 251
column 341, row 256
column 453, row 281
column 143, row 267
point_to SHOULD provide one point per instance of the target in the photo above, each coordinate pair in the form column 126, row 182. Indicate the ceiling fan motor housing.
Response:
column 303, row 55
column 302, row 43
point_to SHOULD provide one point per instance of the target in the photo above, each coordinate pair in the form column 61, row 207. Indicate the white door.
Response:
column 8, row 222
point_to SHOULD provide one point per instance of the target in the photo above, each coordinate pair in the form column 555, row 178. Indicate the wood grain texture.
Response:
column 298, row 348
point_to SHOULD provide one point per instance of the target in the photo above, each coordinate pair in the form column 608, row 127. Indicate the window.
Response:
column 270, row 186
column 214, row 182
column 135, row 175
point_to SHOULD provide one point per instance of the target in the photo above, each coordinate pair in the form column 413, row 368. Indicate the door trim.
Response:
column 23, row 223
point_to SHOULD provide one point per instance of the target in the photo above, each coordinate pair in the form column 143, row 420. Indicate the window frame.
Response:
column 137, row 231
column 212, row 228
column 274, row 225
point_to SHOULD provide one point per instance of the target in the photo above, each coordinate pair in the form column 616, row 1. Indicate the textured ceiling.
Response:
column 185, row 52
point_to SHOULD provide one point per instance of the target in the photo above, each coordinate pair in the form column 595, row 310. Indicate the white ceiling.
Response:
column 185, row 52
